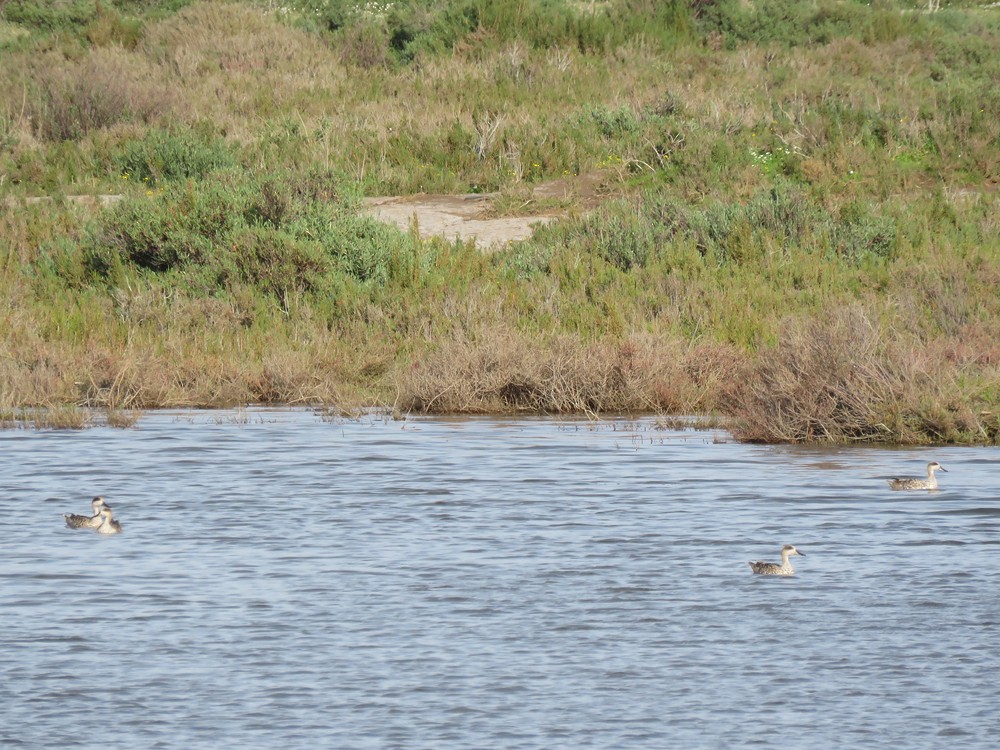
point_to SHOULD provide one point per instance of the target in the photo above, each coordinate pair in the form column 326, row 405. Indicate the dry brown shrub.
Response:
column 841, row 379
column 58, row 417
column 107, row 87
column 975, row 345
column 234, row 38
column 366, row 46
column 503, row 370
column 827, row 380
column 32, row 374
column 712, row 370
column 290, row 378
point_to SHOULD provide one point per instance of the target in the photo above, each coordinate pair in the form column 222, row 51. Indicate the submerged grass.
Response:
column 803, row 235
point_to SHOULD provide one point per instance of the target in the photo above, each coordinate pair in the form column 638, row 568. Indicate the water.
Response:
column 285, row 581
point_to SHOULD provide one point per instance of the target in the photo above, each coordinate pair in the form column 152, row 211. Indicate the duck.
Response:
column 75, row 521
column 108, row 525
column 915, row 483
column 773, row 569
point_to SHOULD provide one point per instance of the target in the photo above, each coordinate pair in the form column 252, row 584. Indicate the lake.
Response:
column 289, row 581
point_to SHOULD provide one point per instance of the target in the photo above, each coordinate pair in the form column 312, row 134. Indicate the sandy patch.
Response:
column 466, row 217
column 454, row 217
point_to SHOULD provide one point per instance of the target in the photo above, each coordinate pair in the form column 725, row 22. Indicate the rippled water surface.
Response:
column 284, row 581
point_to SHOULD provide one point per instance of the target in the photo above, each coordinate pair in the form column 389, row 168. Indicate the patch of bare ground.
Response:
column 485, row 218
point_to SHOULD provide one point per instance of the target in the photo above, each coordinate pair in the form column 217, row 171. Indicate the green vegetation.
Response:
column 799, row 225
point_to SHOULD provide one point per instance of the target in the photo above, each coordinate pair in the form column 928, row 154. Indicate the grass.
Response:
column 800, row 198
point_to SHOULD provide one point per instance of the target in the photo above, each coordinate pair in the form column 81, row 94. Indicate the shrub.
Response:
column 270, row 232
column 367, row 249
column 48, row 14
column 411, row 27
column 109, row 27
column 276, row 261
column 838, row 379
column 153, row 234
column 501, row 369
column 620, row 236
column 176, row 154
column 796, row 24
column 365, row 45
column 860, row 233
column 614, row 122
column 70, row 100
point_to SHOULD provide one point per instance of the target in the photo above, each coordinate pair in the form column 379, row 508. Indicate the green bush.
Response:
column 631, row 235
column 271, row 232
column 620, row 236
column 412, row 27
column 48, row 14
column 273, row 260
column 796, row 24
column 860, row 233
column 613, row 122
column 178, row 154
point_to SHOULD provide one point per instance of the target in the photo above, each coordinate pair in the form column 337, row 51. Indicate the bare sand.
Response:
column 467, row 217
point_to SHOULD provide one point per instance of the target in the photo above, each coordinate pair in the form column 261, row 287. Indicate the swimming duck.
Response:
column 86, row 522
column 914, row 483
column 108, row 525
column 773, row 569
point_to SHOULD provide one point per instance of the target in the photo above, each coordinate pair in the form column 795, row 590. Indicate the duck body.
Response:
column 75, row 521
column 108, row 525
column 774, row 569
column 916, row 483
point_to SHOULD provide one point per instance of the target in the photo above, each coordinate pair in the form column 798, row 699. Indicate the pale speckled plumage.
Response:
column 774, row 569
column 915, row 483
column 75, row 521
column 108, row 524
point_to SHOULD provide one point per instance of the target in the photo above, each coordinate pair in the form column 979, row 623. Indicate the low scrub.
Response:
column 73, row 98
column 501, row 370
column 274, row 233
column 175, row 154
column 840, row 379
column 376, row 33
column 54, row 417
column 804, row 23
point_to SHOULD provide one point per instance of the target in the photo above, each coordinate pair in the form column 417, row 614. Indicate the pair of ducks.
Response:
column 896, row 483
column 102, row 521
